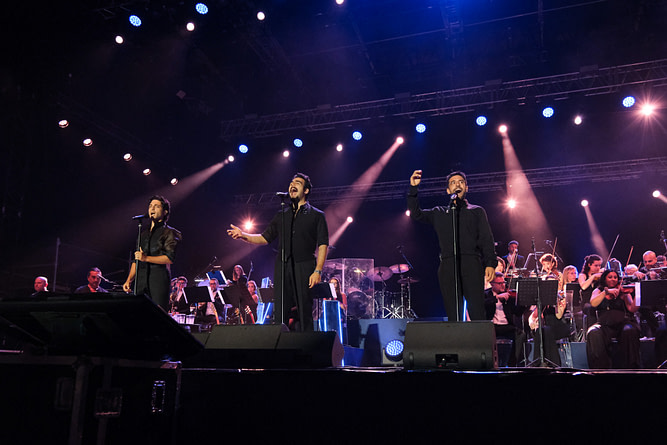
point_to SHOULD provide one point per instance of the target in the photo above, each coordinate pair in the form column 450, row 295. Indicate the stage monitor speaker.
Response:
column 450, row 345
column 238, row 346
column 116, row 325
column 310, row 349
column 267, row 346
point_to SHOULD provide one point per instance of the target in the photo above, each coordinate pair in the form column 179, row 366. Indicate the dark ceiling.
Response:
column 166, row 94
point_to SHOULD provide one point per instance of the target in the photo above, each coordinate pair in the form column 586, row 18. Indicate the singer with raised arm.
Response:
column 476, row 250
column 156, row 253
column 303, row 239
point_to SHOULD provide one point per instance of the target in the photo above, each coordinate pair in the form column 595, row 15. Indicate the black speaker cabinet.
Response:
column 450, row 345
column 267, row 346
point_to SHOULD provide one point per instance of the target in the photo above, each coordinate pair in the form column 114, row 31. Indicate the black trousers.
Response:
column 472, row 287
column 295, row 303
column 154, row 280
column 599, row 344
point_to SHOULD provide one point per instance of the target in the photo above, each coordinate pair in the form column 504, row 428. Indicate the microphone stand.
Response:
column 136, row 261
column 283, row 259
column 457, row 265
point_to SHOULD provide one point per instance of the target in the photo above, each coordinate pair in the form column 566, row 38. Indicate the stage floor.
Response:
column 330, row 405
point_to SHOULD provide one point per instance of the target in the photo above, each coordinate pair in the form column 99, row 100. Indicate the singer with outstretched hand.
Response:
column 157, row 251
column 476, row 250
column 303, row 239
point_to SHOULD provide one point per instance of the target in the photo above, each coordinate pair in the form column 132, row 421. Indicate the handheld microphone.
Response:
column 145, row 215
column 282, row 194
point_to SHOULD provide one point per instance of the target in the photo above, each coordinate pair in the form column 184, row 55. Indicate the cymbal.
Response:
column 379, row 273
column 399, row 268
column 408, row 280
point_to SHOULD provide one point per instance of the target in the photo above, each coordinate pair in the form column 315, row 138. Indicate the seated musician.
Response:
column 501, row 308
column 588, row 280
column 500, row 267
column 252, row 288
column 340, row 296
column 650, row 267
column 177, row 300
column 615, row 306
column 513, row 260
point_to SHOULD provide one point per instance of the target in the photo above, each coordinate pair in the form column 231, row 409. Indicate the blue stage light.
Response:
column 135, row 20
column 548, row 112
column 201, row 8
column 628, row 101
column 357, row 135
column 298, row 143
column 243, row 148
column 420, row 128
column 481, row 121
column 394, row 350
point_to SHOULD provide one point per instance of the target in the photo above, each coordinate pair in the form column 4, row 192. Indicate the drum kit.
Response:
column 392, row 304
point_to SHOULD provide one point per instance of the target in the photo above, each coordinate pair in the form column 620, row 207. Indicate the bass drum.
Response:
column 359, row 305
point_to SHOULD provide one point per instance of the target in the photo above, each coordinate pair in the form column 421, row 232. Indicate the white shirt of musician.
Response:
column 499, row 316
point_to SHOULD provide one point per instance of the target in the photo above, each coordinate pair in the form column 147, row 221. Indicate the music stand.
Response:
column 197, row 294
column 531, row 291
column 218, row 275
column 265, row 294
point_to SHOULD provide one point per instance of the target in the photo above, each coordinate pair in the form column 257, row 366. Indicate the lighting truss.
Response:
column 589, row 81
column 478, row 182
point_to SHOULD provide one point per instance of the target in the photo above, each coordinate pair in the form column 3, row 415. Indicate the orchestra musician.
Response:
column 177, row 299
column 615, row 307
column 340, row 296
column 502, row 309
column 569, row 275
column 588, row 279
column 513, row 259
column 252, row 288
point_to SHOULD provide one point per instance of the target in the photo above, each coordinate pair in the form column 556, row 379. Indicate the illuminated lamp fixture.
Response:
column 656, row 193
column 578, row 120
column 420, row 128
column 548, row 112
column 481, row 120
column 350, row 219
column 297, row 142
column 357, row 135
column 119, row 39
column 400, row 140
column 63, row 123
column 628, row 101
column 394, row 350
column 502, row 129
column 127, row 157
column 584, row 202
column 174, row 181
column 147, row 171
column 261, row 16
column 231, row 158
column 339, row 147
column 243, row 148
column 190, row 26
column 135, row 20
column 286, row 154
column 201, row 8
column 87, row 142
